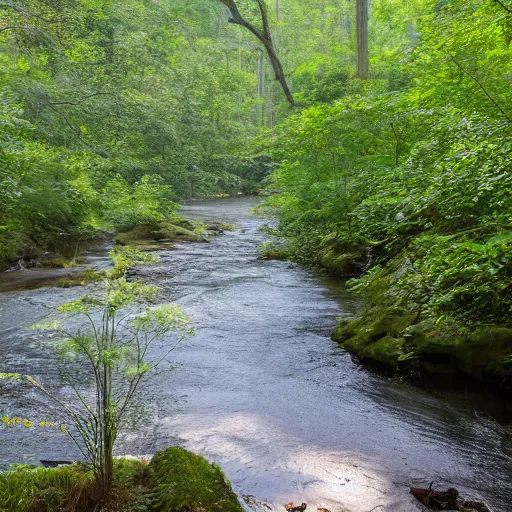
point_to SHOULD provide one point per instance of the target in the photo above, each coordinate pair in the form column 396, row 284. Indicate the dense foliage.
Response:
column 403, row 181
column 111, row 109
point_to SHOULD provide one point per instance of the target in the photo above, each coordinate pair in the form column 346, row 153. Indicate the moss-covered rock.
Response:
column 87, row 276
column 175, row 480
column 394, row 341
column 157, row 236
column 275, row 254
column 275, row 250
column 486, row 354
column 188, row 482
column 343, row 265
column 376, row 336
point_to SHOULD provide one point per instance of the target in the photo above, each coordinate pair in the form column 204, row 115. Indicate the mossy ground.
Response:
column 174, row 481
column 186, row 482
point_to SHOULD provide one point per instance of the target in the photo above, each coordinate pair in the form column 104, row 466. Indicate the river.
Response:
column 263, row 391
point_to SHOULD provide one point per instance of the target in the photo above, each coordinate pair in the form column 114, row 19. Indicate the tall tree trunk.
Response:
column 220, row 22
column 260, row 74
column 240, row 68
column 277, row 10
column 362, row 38
column 265, row 36
column 322, row 27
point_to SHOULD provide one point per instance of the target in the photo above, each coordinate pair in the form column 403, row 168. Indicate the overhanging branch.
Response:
column 265, row 36
column 508, row 9
column 481, row 85
column 21, row 10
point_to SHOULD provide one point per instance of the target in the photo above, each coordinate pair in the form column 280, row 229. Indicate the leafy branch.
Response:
column 508, row 9
column 479, row 83
column 117, row 354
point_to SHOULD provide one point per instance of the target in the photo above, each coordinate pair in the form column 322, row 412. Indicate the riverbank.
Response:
column 402, row 330
column 388, row 340
column 404, row 338
column 173, row 480
column 77, row 264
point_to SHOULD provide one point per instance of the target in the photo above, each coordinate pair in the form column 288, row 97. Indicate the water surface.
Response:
column 263, row 391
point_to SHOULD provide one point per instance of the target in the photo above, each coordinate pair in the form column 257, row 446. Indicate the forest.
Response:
column 377, row 133
column 383, row 146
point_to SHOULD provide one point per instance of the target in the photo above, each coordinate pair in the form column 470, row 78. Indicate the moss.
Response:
column 61, row 262
column 487, row 354
column 275, row 250
column 188, row 482
column 175, row 480
column 132, row 472
column 30, row 489
column 153, row 236
column 83, row 278
column 392, row 321
column 377, row 335
column 275, row 254
column 392, row 339
column 187, row 224
column 345, row 330
column 386, row 350
column 404, row 341
column 217, row 226
column 225, row 226
column 343, row 265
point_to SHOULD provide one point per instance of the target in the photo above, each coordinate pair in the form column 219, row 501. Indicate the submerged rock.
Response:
column 446, row 500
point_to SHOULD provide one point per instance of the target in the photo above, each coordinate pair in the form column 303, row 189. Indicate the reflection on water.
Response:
column 263, row 391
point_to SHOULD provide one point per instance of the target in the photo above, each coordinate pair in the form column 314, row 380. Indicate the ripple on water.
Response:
column 263, row 391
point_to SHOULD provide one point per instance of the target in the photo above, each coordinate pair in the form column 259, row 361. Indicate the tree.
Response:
column 362, row 16
column 265, row 36
column 117, row 351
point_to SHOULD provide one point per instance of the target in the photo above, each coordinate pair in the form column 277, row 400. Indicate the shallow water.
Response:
column 263, row 391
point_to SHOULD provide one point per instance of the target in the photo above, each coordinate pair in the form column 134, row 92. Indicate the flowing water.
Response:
column 263, row 391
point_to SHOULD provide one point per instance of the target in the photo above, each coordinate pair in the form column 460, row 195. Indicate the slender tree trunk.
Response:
column 260, row 73
column 323, row 23
column 277, row 10
column 362, row 38
column 220, row 22
column 240, row 68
